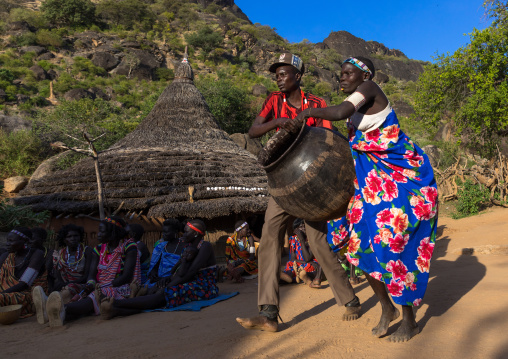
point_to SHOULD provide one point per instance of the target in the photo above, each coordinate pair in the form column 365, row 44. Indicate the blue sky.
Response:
column 418, row 28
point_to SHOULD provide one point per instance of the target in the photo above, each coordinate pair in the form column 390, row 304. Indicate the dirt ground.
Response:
column 464, row 315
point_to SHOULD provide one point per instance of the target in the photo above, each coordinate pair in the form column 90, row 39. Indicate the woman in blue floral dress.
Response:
column 390, row 226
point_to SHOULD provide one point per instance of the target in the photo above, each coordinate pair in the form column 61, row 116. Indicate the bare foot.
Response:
column 315, row 284
column 260, row 323
column 134, row 289
column 351, row 313
column 98, row 293
column 236, row 276
column 297, row 272
column 142, row 291
column 405, row 332
column 384, row 322
column 286, row 277
column 304, row 277
column 107, row 309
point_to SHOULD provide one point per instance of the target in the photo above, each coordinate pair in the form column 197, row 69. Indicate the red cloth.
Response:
column 275, row 107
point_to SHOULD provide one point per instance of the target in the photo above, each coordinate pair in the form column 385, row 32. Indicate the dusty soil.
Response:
column 464, row 315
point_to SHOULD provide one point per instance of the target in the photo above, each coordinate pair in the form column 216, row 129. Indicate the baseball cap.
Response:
column 287, row 58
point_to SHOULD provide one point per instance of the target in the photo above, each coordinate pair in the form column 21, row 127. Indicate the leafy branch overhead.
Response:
column 470, row 87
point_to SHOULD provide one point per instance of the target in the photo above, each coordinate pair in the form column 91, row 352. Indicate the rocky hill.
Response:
column 127, row 64
column 141, row 57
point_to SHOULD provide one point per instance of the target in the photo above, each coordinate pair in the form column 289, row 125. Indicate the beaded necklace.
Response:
column 176, row 248
column 20, row 264
column 75, row 264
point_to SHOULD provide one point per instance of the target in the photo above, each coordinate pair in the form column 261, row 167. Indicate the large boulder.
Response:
column 138, row 63
column 108, row 48
column 46, row 56
column 403, row 109
column 381, row 78
column 15, row 184
column 39, row 73
column 398, row 66
column 14, row 123
column 105, row 60
column 78, row 94
column 52, row 74
column 434, row 154
column 49, row 166
column 20, row 26
column 327, row 76
column 98, row 93
column 445, row 132
column 131, row 44
column 37, row 49
column 259, row 90
column 244, row 141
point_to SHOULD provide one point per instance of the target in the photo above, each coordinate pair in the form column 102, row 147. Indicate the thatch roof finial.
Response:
column 183, row 72
column 185, row 55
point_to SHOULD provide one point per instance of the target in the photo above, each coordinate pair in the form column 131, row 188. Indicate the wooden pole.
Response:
column 100, row 192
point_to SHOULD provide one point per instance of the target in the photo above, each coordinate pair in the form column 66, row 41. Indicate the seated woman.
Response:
column 114, row 266
column 241, row 253
column 136, row 232
column 68, row 271
column 198, row 282
column 302, row 265
column 182, row 267
column 165, row 254
column 39, row 236
column 19, row 267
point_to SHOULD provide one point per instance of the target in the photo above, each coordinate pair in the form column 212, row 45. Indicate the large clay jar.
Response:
column 311, row 175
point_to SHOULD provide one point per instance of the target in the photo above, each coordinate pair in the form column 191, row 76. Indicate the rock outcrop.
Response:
column 398, row 65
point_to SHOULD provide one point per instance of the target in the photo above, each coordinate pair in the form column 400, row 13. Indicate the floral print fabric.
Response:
column 390, row 226
column 203, row 287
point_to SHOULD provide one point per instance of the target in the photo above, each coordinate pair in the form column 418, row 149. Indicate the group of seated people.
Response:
column 117, row 277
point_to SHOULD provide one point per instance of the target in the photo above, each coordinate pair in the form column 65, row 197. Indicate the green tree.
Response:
column 206, row 39
column 72, row 118
column 34, row 18
column 228, row 103
column 470, row 87
column 72, row 13
column 125, row 12
column 21, row 153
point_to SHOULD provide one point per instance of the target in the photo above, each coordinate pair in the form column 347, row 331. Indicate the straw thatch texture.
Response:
column 177, row 162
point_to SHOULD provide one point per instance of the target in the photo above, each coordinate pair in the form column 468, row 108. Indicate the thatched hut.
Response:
column 176, row 163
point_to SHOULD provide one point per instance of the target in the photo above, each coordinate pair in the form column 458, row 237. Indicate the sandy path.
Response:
column 464, row 315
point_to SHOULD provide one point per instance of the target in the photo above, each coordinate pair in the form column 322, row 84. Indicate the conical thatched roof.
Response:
column 177, row 150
